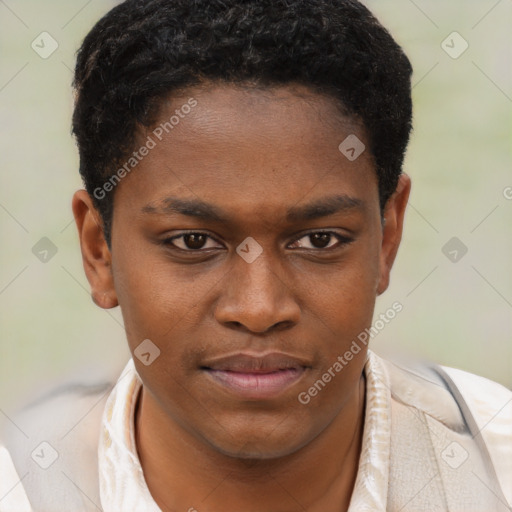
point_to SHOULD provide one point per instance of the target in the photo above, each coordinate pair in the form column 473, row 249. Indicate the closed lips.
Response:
column 252, row 363
column 261, row 377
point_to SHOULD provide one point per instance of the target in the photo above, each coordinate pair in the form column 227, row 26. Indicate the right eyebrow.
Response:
column 190, row 207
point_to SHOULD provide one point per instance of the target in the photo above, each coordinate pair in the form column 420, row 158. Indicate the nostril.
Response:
column 281, row 326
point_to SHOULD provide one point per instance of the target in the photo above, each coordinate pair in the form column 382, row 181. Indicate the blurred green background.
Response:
column 458, row 313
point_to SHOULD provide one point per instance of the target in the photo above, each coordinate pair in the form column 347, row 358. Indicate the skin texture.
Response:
column 258, row 157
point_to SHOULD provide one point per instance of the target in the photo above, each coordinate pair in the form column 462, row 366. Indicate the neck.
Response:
column 184, row 474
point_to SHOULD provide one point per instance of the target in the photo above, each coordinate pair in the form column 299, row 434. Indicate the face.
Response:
column 250, row 250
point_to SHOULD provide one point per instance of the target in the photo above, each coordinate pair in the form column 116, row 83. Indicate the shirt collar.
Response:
column 371, row 487
column 122, row 484
column 124, row 489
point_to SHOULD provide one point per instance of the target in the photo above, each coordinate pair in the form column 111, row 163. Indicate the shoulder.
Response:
column 490, row 401
column 50, row 447
column 447, row 393
column 69, row 410
column 489, row 406
column 419, row 385
column 477, row 408
column 11, row 489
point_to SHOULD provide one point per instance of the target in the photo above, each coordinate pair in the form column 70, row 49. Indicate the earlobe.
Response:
column 392, row 230
column 96, row 255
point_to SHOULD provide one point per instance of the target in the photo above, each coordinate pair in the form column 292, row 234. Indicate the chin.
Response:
column 263, row 444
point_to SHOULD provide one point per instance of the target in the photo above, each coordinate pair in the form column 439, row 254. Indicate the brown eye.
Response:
column 192, row 242
column 320, row 240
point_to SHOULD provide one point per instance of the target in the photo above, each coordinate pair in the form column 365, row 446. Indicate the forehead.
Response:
column 223, row 107
column 250, row 147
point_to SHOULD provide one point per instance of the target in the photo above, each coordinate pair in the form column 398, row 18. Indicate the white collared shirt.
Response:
column 124, row 489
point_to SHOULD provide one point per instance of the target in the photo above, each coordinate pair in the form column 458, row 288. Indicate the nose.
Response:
column 256, row 299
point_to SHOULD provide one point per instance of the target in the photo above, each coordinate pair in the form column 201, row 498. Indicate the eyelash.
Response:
column 342, row 241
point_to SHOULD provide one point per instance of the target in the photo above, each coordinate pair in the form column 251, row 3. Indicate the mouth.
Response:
column 256, row 377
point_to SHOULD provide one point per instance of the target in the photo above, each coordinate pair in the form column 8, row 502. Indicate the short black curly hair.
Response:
column 142, row 51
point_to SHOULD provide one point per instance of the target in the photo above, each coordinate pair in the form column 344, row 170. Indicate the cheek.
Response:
column 162, row 302
column 144, row 292
column 345, row 294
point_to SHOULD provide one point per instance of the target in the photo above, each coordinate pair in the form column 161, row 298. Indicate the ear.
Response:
column 96, row 255
column 394, row 212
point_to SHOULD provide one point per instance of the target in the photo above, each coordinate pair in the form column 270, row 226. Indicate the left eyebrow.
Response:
column 324, row 207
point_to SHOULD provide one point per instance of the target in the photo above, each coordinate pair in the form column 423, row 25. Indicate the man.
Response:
column 244, row 205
